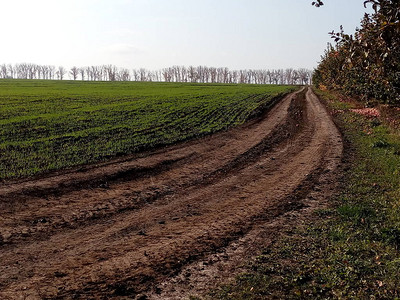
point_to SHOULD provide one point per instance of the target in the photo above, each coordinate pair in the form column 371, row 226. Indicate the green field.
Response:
column 50, row 125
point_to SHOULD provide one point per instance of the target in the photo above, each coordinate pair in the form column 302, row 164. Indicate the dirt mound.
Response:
column 120, row 228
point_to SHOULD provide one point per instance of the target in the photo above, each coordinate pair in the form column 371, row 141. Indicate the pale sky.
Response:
column 238, row 34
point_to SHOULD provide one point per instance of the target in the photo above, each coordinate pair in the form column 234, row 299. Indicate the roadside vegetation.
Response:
column 352, row 248
column 366, row 64
column 50, row 125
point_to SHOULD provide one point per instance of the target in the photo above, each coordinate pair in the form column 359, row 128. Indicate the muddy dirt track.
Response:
column 120, row 228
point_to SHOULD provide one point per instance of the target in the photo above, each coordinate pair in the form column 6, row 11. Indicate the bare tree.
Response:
column 82, row 73
column 125, row 75
column 31, row 71
column 295, row 77
column 11, row 71
column 52, row 71
column 304, row 76
column 3, row 71
column 74, row 72
column 45, row 72
column 136, row 75
column 21, row 70
column 143, row 74
column 310, row 74
column 288, row 76
column 61, row 71
column 94, row 73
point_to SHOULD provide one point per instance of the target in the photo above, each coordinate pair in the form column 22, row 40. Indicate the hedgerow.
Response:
column 366, row 64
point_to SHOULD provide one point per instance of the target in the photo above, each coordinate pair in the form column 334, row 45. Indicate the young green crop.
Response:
column 48, row 125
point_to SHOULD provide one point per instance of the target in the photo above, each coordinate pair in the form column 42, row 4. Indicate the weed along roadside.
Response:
column 351, row 248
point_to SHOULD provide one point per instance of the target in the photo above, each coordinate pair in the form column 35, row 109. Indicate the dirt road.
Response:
column 119, row 228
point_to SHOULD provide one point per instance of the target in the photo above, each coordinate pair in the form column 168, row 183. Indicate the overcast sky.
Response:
column 153, row 34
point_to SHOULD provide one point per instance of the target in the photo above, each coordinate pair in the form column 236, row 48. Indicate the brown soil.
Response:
column 157, row 223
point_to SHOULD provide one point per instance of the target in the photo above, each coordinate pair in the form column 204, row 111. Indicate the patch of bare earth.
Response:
column 172, row 222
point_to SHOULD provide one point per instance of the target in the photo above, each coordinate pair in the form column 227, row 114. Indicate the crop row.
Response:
column 53, row 125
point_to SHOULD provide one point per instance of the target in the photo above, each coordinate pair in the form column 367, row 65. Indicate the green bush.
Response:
column 366, row 64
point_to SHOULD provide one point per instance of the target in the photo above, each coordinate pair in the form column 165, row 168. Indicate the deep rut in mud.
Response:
column 121, row 228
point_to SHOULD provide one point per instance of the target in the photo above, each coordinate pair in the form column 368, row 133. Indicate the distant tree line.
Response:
column 200, row 74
